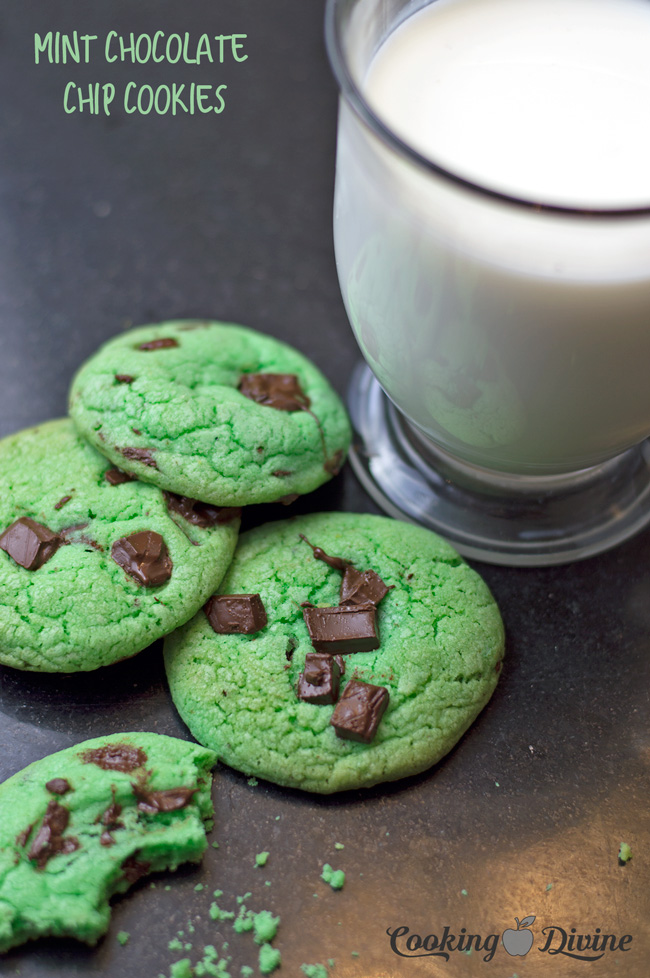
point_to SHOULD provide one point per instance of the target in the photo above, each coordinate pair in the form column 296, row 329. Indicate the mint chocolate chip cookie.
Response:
column 83, row 824
column 94, row 565
column 377, row 649
column 213, row 411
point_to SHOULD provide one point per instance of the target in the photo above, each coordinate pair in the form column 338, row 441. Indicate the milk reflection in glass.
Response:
column 517, row 339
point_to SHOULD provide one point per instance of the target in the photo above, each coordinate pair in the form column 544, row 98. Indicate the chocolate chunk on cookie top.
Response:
column 242, row 614
column 221, row 414
column 144, row 557
column 420, row 655
column 342, row 629
column 359, row 711
column 62, row 858
column 29, row 543
column 96, row 579
column 280, row 391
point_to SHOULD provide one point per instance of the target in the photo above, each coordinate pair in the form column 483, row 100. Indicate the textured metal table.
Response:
column 108, row 220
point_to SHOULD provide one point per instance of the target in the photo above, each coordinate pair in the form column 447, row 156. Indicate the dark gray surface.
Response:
column 108, row 222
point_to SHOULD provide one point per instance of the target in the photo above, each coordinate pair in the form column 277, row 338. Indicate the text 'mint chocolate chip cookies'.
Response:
column 213, row 411
column 94, row 565
column 340, row 651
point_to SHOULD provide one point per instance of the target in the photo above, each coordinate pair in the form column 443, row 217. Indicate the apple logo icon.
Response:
column 518, row 942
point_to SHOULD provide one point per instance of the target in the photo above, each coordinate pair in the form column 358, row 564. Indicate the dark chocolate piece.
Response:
column 144, row 557
column 358, row 712
column 281, row 473
column 109, row 819
column 116, row 477
column 333, row 465
column 198, row 513
column 280, row 391
column 58, row 786
column 241, row 614
column 136, row 431
column 338, row 563
column 61, row 503
column 49, row 840
column 22, row 837
column 29, row 543
column 162, row 344
column 115, row 757
column 139, row 455
column 362, row 588
column 289, row 498
column 345, row 629
column 124, row 378
column 319, row 682
column 169, row 800
column 134, row 869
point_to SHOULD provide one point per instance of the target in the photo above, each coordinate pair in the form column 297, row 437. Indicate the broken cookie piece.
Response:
column 61, row 859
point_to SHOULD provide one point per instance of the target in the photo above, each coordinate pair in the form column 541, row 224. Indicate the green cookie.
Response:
column 88, row 822
column 213, row 411
column 92, row 571
column 440, row 639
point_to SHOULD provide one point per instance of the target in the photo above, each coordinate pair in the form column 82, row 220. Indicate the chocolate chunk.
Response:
column 359, row 711
column 124, row 378
column 116, row 477
column 115, row 757
column 49, row 840
column 134, row 869
column 344, row 629
column 29, row 543
column 169, row 800
column 241, row 614
column 281, row 473
column 162, row 344
column 109, row 819
column 362, row 588
column 139, row 455
column 144, row 557
column 198, row 513
column 288, row 499
column 61, row 503
column 136, row 431
column 338, row 563
column 58, row 786
column 22, row 837
column 280, row 391
column 333, row 465
column 319, row 682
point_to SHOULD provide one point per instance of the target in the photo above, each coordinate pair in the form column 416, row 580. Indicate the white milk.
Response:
column 516, row 339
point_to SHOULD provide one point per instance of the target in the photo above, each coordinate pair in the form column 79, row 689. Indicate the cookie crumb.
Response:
column 624, row 854
column 314, row 970
column 269, row 959
column 123, row 937
column 261, row 858
column 335, row 877
column 265, row 927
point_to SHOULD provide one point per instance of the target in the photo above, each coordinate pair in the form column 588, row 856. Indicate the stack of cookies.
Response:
column 324, row 652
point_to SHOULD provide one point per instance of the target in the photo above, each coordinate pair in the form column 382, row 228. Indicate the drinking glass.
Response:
column 504, row 400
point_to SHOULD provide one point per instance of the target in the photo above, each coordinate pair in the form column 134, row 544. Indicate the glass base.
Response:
column 492, row 516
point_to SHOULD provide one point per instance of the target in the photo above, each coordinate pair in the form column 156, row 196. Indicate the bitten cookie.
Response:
column 213, row 411
column 83, row 824
column 341, row 650
column 95, row 566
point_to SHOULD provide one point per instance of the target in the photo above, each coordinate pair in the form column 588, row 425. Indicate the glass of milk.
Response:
column 492, row 237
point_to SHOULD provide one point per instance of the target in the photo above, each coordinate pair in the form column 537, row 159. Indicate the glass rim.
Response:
column 355, row 98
